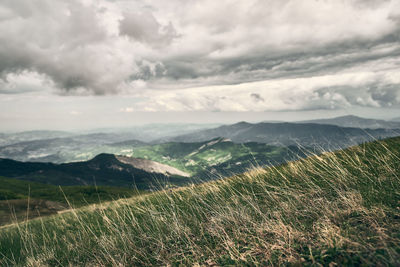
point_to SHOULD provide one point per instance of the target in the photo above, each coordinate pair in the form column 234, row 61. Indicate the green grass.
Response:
column 12, row 190
column 77, row 195
column 338, row 208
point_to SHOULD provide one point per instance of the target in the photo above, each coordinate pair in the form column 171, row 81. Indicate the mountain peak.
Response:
column 242, row 123
column 350, row 117
column 103, row 157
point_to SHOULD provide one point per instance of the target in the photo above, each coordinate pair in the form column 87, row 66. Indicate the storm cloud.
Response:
column 206, row 55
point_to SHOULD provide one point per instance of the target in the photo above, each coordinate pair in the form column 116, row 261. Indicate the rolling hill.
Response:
column 338, row 208
column 62, row 150
column 104, row 169
column 13, row 138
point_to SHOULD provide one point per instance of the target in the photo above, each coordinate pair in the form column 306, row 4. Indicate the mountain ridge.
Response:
column 104, row 169
column 328, row 137
column 356, row 122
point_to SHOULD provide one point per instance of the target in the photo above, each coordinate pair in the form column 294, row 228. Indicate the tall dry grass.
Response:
column 332, row 209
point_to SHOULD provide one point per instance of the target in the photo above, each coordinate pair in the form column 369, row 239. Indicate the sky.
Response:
column 81, row 64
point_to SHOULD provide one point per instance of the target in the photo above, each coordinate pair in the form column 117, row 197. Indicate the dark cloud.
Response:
column 387, row 95
column 316, row 61
column 67, row 41
column 106, row 47
column 256, row 97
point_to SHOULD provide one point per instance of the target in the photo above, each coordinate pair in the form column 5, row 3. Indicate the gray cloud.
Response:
column 67, row 41
column 106, row 47
column 144, row 27
column 256, row 97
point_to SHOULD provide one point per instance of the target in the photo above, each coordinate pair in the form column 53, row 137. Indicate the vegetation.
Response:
column 219, row 155
column 77, row 195
column 47, row 199
column 335, row 208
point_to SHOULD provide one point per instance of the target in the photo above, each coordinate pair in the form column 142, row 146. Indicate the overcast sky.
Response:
column 107, row 63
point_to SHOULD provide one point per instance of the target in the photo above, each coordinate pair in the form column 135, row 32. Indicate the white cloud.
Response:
column 75, row 113
column 368, row 89
column 127, row 110
column 25, row 82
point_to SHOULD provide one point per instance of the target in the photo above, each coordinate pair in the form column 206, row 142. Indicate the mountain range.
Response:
column 62, row 147
column 144, row 133
column 67, row 149
column 358, row 122
column 396, row 119
column 326, row 137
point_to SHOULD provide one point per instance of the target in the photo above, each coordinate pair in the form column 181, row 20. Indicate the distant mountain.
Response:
column 396, row 119
column 104, row 169
column 128, row 143
column 285, row 134
column 12, row 138
column 61, row 150
column 357, row 122
column 144, row 133
column 150, row 132
column 61, row 147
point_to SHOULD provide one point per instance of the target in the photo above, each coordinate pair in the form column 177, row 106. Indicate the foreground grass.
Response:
column 78, row 196
column 340, row 208
column 17, row 197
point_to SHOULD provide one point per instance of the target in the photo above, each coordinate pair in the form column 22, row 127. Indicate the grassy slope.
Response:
column 14, row 194
column 340, row 207
column 77, row 195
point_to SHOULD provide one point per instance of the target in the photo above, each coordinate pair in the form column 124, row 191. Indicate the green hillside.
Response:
column 104, row 170
column 47, row 199
column 77, row 195
column 338, row 208
column 218, row 156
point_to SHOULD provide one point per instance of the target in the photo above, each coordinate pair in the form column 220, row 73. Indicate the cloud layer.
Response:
column 223, row 55
column 338, row 91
